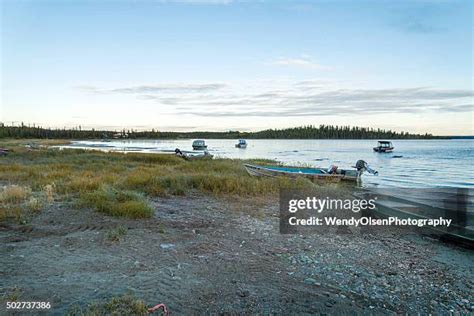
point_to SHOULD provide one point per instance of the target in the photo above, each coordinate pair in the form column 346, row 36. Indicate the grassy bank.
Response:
column 116, row 184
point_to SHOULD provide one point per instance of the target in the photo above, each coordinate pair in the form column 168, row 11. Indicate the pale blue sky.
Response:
column 247, row 65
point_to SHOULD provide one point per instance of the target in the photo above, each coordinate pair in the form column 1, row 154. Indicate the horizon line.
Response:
column 105, row 128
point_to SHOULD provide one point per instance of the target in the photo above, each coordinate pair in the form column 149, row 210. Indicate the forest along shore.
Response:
column 303, row 132
column 81, row 229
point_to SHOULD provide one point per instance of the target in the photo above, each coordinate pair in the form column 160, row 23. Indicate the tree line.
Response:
column 303, row 132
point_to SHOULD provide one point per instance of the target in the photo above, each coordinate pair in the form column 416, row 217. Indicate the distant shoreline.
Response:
column 304, row 132
column 220, row 138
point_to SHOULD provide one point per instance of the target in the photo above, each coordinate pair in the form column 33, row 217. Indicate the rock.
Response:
column 311, row 281
column 167, row 246
column 244, row 293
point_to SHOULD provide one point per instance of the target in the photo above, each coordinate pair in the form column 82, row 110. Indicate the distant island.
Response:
column 303, row 132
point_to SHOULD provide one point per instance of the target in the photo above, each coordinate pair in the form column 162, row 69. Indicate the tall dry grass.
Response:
column 14, row 194
column 101, row 180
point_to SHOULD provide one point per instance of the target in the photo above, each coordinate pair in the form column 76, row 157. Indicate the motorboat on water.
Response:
column 241, row 144
column 199, row 144
column 384, row 146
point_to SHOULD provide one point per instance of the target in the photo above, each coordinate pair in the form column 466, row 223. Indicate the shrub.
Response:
column 34, row 204
column 82, row 182
column 176, row 184
column 14, row 194
column 12, row 212
column 49, row 192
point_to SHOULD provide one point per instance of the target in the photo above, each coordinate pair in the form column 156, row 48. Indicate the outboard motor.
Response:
column 362, row 166
column 332, row 169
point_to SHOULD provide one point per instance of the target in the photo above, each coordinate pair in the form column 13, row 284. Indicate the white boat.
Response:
column 384, row 146
column 199, row 144
column 187, row 155
column 241, row 144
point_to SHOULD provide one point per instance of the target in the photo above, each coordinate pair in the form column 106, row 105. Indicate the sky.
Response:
column 238, row 65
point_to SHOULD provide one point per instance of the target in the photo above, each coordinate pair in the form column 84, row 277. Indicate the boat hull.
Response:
column 195, row 156
column 200, row 147
column 242, row 146
column 198, row 157
column 432, row 203
column 313, row 174
column 383, row 150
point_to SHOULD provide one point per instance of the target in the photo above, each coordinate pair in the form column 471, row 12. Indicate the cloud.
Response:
column 158, row 88
column 300, row 62
column 335, row 102
column 295, row 99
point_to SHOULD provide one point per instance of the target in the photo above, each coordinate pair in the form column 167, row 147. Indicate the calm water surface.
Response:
column 424, row 163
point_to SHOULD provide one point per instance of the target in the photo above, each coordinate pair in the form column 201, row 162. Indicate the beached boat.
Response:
column 241, row 144
column 384, row 147
column 435, row 203
column 32, row 146
column 4, row 151
column 199, row 144
column 333, row 174
column 193, row 155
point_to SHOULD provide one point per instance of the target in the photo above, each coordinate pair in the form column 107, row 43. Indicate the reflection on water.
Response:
column 414, row 163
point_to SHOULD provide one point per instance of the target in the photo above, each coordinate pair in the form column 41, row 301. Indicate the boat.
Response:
column 455, row 204
column 4, row 151
column 384, row 146
column 199, row 144
column 241, row 144
column 33, row 146
column 187, row 155
column 332, row 174
column 105, row 138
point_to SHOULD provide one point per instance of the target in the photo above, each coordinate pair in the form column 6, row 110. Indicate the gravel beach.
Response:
column 199, row 254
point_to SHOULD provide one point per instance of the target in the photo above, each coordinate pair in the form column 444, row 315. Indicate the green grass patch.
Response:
column 116, row 234
column 116, row 306
column 113, row 202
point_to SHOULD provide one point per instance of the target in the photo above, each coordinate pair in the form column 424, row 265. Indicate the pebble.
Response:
column 311, row 281
column 167, row 246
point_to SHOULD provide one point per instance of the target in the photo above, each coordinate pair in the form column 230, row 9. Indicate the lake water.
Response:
column 423, row 163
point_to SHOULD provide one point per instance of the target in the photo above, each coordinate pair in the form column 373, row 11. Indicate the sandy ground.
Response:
column 203, row 255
